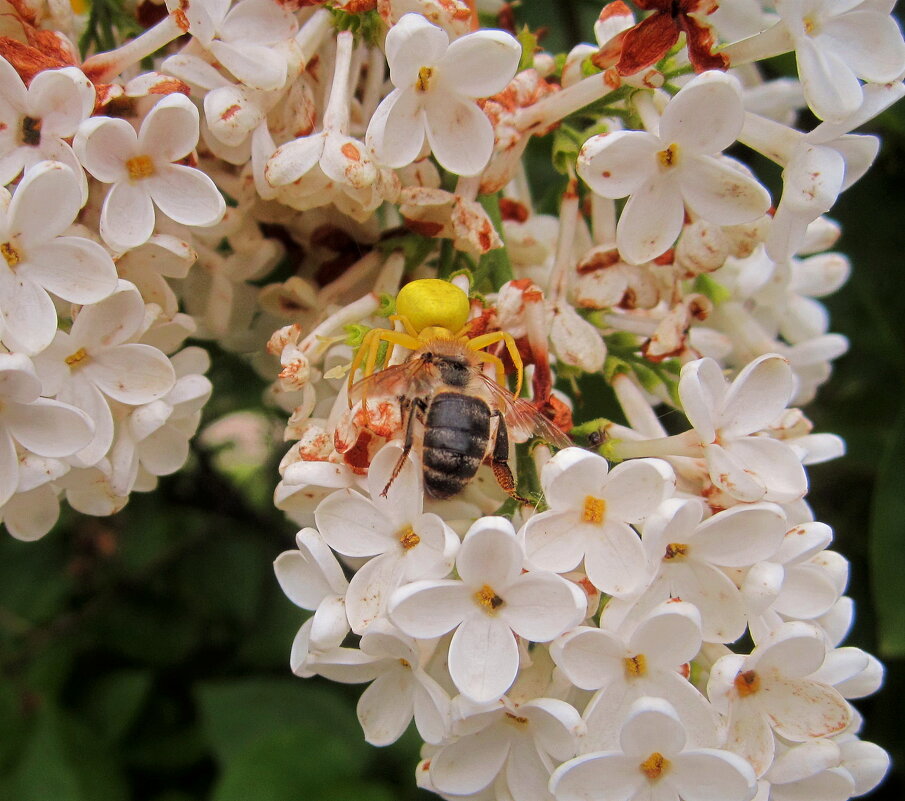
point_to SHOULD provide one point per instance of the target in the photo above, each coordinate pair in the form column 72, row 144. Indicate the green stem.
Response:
column 495, row 263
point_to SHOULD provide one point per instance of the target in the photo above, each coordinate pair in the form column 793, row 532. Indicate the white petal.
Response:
column 425, row 609
column 572, row 475
column 582, row 778
column 64, row 97
column 490, row 554
column 256, row 66
column 85, row 396
column 132, row 373
column 830, row 87
column 74, row 268
column 49, row 428
column 44, row 204
column 619, row 163
column 483, row 658
column 553, row 541
column 103, row 145
column 480, row 64
column 541, row 606
column 757, row 396
column 870, row 43
column 9, row 466
column 741, row 535
column 713, row 96
column 651, row 220
column 127, row 216
column 615, row 561
column 670, row 636
column 186, row 195
column 774, row 463
column 716, row 597
column 702, row 389
column 459, row 133
column 470, row 764
column 293, row 160
column 110, row 322
column 733, row 475
column 385, row 708
column 590, row 657
column 370, row 588
column 396, row 131
column 29, row 316
column 803, row 710
column 350, row 524
column 28, row 516
column 711, row 775
column 169, row 132
column 722, row 194
column 413, row 43
column 652, row 725
column 636, row 487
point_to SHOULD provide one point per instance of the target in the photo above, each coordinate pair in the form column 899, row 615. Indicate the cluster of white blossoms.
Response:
column 665, row 619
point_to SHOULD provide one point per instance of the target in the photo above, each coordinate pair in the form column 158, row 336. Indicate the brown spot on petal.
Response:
column 423, row 227
column 181, row 20
column 350, row 152
column 230, row 112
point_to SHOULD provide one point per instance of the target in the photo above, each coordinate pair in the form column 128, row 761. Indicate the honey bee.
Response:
column 464, row 415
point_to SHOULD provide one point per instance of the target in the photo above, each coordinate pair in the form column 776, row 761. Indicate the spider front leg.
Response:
column 486, row 340
column 370, row 349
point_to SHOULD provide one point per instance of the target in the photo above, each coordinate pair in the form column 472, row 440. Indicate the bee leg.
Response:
column 411, row 409
column 499, row 461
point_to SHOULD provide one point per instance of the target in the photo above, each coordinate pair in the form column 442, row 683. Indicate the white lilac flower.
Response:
column 591, row 514
column 491, row 603
column 663, row 171
column 726, row 419
column 505, row 745
column 624, row 666
column 312, row 579
column 687, row 555
column 838, row 43
column 96, row 360
column 241, row 36
column 436, row 85
column 406, row 544
column 43, row 426
column 36, row 122
column 653, row 761
column 773, row 690
column 38, row 260
column 402, row 690
column 143, row 170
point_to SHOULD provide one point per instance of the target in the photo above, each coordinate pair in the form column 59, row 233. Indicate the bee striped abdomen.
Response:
column 456, row 433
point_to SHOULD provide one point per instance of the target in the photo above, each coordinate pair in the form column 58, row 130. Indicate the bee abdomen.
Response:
column 455, row 441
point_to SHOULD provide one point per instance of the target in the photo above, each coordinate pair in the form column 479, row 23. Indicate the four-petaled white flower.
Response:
column 665, row 170
column 491, row 603
column 727, row 419
column 591, row 513
column 654, row 762
column 38, row 260
column 436, row 85
column 405, row 543
column 144, row 172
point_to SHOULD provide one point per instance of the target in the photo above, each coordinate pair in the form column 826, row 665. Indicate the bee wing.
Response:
column 412, row 378
column 522, row 416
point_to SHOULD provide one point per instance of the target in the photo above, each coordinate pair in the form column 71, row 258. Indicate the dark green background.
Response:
column 145, row 656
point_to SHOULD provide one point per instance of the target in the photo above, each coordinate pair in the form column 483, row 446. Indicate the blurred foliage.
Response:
column 144, row 657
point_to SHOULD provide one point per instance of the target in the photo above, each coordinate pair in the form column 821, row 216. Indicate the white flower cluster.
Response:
column 668, row 627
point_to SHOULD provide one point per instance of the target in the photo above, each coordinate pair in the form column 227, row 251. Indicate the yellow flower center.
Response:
column 810, row 25
column 676, row 550
column 669, row 157
column 10, row 254
column 654, row 766
column 488, row 599
column 594, row 510
column 747, row 683
column 405, row 663
column 636, row 666
column 516, row 720
column 424, row 79
column 408, row 538
column 77, row 358
column 140, row 167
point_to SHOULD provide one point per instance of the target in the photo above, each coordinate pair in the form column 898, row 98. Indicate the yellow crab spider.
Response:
column 432, row 309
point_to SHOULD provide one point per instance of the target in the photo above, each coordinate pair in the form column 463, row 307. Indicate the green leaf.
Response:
column 237, row 715
column 116, row 699
column 887, row 537
column 66, row 761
